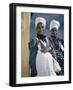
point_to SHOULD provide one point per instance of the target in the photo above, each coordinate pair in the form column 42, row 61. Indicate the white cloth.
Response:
column 56, row 65
column 54, row 24
column 44, row 63
column 40, row 20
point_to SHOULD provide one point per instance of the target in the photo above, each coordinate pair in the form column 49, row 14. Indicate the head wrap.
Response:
column 54, row 24
column 40, row 20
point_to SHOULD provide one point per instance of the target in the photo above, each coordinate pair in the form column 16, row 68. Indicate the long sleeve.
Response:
column 61, row 46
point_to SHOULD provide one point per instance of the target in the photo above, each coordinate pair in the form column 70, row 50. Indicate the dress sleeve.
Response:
column 31, row 44
column 61, row 46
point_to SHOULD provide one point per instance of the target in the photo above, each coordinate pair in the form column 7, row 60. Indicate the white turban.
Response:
column 40, row 20
column 54, row 24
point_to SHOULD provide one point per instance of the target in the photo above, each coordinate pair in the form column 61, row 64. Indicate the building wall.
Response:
column 25, row 34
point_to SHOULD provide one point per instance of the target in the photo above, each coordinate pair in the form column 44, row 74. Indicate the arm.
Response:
column 61, row 47
column 31, row 44
column 45, row 45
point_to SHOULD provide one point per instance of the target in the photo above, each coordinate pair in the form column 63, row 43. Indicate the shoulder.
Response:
column 31, row 43
column 61, row 40
column 49, row 38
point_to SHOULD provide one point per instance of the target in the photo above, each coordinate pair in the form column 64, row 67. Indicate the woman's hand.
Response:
column 44, row 50
column 37, row 40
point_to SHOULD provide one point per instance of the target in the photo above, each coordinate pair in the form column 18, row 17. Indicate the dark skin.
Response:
column 40, row 30
column 54, row 32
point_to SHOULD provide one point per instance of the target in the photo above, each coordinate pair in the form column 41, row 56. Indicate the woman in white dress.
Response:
column 44, row 60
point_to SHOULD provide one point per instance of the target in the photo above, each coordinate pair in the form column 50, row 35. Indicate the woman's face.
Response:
column 40, row 28
column 54, row 32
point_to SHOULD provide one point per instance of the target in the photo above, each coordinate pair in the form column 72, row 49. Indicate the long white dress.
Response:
column 44, row 63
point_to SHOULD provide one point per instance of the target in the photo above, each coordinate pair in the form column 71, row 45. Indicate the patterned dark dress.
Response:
column 57, row 52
